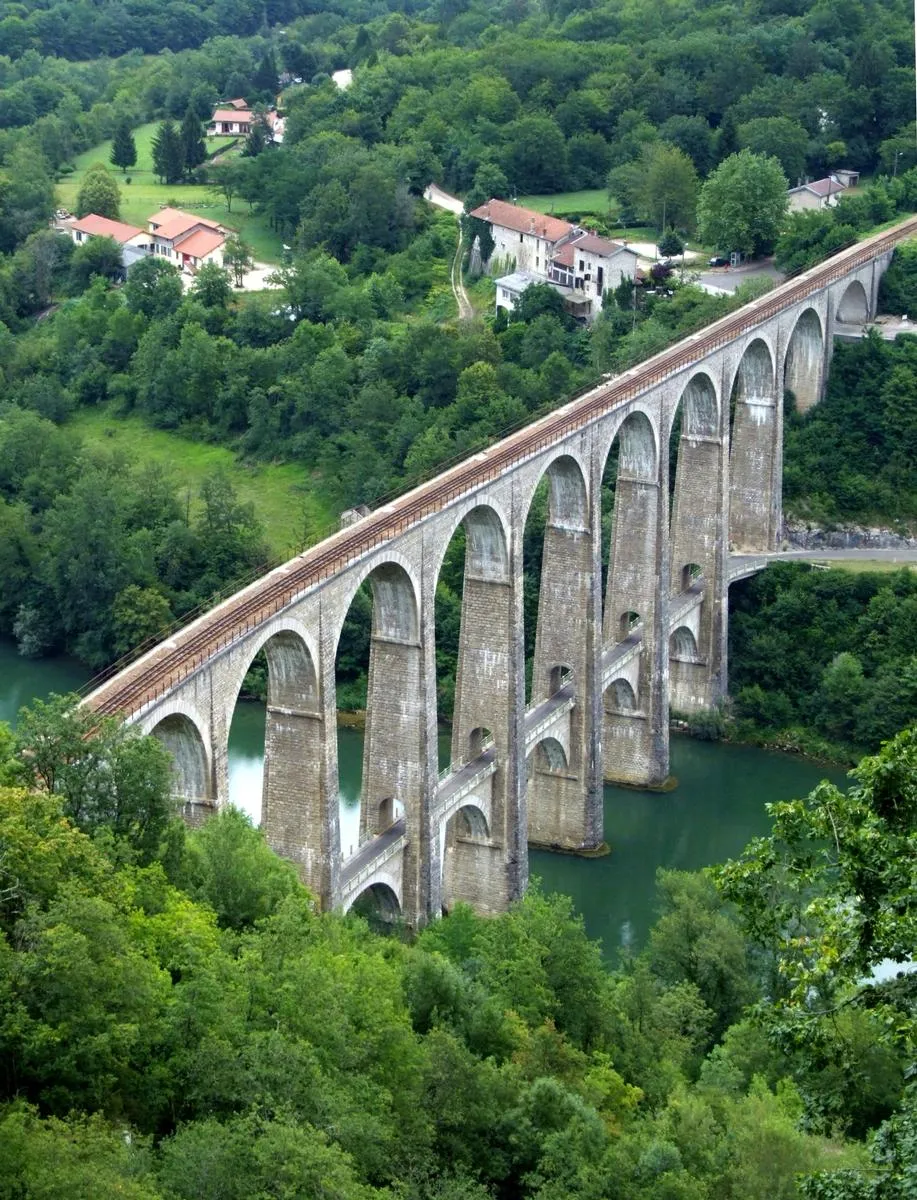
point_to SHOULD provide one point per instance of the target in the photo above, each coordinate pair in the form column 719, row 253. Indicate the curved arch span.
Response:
column 854, row 305
column 804, row 363
column 637, row 456
column 754, row 378
column 622, row 696
column 683, row 644
column 471, row 823
column 701, row 407
column 549, row 755
column 377, row 903
column 190, row 774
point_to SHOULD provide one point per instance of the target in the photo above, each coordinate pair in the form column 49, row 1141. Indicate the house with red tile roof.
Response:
column 535, row 248
column 185, row 239
column 230, row 120
column 92, row 225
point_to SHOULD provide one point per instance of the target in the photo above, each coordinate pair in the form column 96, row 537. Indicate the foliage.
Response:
column 742, row 204
column 107, row 776
column 123, row 147
column 790, row 667
column 99, row 193
column 849, row 461
column 169, row 151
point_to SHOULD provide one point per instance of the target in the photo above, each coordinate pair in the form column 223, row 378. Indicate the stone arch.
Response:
column 690, row 573
column 622, row 696
column 754, row 377
column 470, row 822
column 478, row 741
column 626, row 623
column 699, row 405
column 396, row 597
column 558, row 675
column 488, row 517
column 190, row 772
column 638, row 453
column 549, row 755
column 753, row 451
column 568, row 493
column 683, row 644
column 377, row 899
column 805, row 360
column 853, row 308
column 486, row 545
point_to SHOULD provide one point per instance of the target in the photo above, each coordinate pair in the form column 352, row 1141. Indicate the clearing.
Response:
column 284, row 502
column 145, row 194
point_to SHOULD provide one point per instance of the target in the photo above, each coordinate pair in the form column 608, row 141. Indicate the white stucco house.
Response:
column 821, row 193
column 534, row 248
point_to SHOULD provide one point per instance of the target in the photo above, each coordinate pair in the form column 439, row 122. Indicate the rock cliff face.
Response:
column 798, row 535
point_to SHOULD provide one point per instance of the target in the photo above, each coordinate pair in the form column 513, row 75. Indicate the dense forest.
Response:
column 176, row 1021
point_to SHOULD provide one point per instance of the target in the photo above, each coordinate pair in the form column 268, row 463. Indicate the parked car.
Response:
column 718, row 260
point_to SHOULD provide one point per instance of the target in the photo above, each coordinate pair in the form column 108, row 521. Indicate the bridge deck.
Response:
column 175, row 659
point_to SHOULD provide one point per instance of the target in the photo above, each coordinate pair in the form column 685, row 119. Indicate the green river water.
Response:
column 716, row 808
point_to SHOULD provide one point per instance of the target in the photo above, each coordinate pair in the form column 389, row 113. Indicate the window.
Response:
column 537, row 261
column 582, row 265
column 520, row 237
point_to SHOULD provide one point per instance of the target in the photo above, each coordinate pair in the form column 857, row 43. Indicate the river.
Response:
column 716, row 808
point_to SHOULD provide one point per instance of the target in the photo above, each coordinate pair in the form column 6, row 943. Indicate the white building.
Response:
column 536, row 248
column 821, row 193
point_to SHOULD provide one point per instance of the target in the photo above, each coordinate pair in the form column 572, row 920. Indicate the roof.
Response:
column 518, row 281
column 231, row 114
column 237, row 103
column 172, row 223
column 820, row 187
column 523, row 220
column 201, row 242
column 97, row 226
column 601, row 246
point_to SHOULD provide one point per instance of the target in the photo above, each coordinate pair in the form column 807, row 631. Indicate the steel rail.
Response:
column 180, row 655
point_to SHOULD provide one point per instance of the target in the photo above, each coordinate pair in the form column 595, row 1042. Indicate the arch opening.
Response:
column 754, row 379
column 190, row 775
column 549, row 755
column 471, row 824
column 621, row 696
column 752, row 450
column 555, row 549
column 690, row 574
column 627, row 624
column 804, row 363
column 379, row 906
column 683, row 645
column 379, row 642
column 281, row 678
column 854, row 306
column 479, row 740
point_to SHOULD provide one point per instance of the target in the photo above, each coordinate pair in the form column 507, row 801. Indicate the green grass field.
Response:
column 283, row 499
column 145, row 194
column 859, row 566
column 591, row 200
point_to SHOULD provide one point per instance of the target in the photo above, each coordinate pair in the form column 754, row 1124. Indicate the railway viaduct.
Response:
column 614, row 650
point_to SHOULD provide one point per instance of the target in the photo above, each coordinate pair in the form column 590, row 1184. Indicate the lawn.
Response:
column 145, row 194
column 283, row 500
column 591, row 200
column 859, row 566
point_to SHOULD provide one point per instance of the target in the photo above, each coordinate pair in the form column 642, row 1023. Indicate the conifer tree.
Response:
column 123, row 148
column 168, row 160
column 194, row 151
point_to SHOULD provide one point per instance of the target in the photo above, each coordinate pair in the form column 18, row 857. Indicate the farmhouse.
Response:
column 186, row 240
column 533, row 248
column 821, row 193
column 92, row 225
column 230, row 120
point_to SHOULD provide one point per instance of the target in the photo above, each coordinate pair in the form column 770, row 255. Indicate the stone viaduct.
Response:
column 614, row 651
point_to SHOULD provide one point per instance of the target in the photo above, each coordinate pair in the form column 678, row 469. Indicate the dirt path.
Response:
column 465, row 309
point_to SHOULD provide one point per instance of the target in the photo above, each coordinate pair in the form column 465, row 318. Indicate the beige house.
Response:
column 821, row 193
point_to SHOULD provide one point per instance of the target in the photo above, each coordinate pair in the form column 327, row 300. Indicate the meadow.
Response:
column 283, row 499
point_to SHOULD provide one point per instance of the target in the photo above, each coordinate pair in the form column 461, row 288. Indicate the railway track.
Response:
column 174, row 659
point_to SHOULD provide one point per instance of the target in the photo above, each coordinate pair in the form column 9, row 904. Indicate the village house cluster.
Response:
column 183, row 239
column 533, row 248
